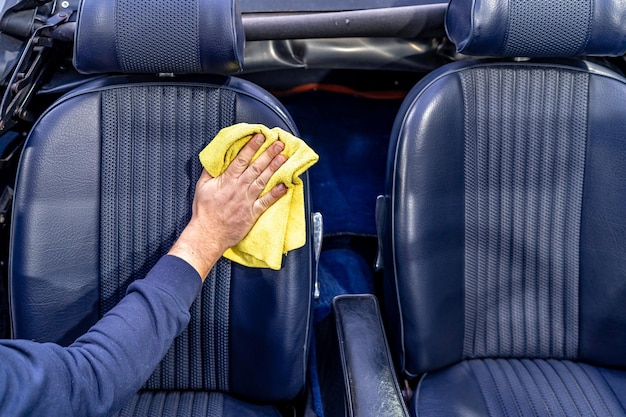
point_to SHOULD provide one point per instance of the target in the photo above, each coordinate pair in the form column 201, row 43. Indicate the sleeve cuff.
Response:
column 175, row 276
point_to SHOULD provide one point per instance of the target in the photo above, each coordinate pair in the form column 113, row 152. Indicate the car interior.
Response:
column 466, row 220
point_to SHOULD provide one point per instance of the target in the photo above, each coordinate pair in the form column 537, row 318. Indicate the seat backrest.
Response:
column 506, row 216
column 105, row 186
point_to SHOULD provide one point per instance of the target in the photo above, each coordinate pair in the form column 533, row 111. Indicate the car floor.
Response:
column 351, row 136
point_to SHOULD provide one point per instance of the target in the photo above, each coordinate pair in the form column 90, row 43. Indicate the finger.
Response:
column 263, row 161
column 245, row 155
column 259, row 183
column 266, row 201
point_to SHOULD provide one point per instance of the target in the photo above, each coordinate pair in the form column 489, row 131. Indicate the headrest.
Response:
column 537, row 28
column 159, row 36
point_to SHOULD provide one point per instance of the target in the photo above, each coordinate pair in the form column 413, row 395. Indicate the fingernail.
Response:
column 282, row 188
column 278, row 146
column 259, row 138
column 280, row 158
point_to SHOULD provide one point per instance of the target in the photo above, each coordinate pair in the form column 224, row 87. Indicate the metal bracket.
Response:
column 381, row 232
column 318, row 236
column 6, row 198
column 28, row 73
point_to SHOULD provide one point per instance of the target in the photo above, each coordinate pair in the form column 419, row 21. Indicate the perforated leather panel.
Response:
column 174, row 46
column 199, row 358
column 559, row 28
column 192, row 404
column 544, row 387
column 524, row 166
column 151, row 136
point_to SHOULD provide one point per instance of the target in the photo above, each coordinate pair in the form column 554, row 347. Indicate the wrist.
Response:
column 198, row 250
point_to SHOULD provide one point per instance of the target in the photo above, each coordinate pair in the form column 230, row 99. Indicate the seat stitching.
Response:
column 531, row 377
column 564, row 386
column 498, row 395
column 571, row 368
column 600, row 396
column 500, row 364
column 543, row 374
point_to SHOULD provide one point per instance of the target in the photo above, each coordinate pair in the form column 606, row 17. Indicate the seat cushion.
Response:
column 192, row 403
column 521, row 387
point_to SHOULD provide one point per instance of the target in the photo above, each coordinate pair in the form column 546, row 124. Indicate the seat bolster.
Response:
column 256, row 105
column 54, row 247
column 256, row 293
column 271, row 314
column 427, row 225
column 603, row 235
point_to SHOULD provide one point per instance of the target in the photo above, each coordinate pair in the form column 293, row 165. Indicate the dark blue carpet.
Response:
column 341, row 271
column 351, row 136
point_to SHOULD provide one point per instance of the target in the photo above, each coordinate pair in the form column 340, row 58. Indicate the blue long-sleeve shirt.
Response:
column 106, row 366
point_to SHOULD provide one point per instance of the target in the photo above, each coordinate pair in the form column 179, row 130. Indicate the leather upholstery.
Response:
column 506, row 221
column 537, row 29
column 429, row 217
column 500, row 387
column 105, row 186
column 165, row 36
column 192, row 404
column 56, row 266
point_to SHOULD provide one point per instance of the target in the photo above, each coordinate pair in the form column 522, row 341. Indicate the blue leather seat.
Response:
column 105, row 185
column 505, row 246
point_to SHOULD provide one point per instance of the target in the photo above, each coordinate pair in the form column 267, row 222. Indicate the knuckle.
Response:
column 263, row 204
column 260, row 182
column 255, row 170
column 240, row 161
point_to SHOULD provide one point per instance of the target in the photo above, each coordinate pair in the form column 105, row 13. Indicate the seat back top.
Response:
column 537, row 28
column 165, row 36
column 506, row 215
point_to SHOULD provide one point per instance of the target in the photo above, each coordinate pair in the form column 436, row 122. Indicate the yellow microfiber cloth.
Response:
column 281, row 227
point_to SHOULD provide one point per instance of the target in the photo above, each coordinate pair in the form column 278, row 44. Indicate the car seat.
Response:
column 504, row 220
column 105, row 186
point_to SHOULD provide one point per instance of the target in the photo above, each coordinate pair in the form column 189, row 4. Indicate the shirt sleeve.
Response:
column 105, row 367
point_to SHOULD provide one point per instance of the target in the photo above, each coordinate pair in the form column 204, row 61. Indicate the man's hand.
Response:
column 226, row 207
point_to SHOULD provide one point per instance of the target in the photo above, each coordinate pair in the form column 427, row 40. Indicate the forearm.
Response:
column 198, row 249
column 100, row 371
